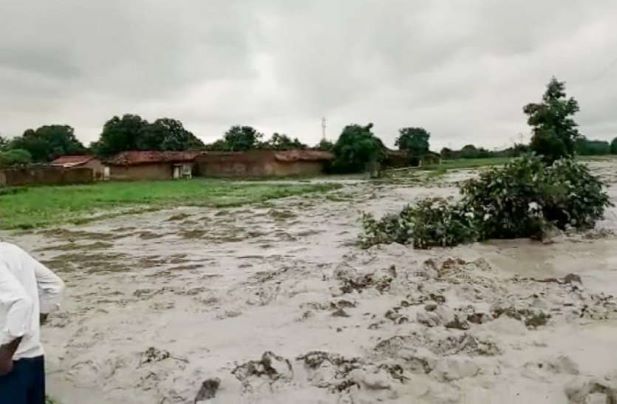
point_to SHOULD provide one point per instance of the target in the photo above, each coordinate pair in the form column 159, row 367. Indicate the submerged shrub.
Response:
column 439, row 223
column 431, row 222
column 522, row 199
column 392, row 228
column 508, row 199
column 525, row 196
column 578, row 199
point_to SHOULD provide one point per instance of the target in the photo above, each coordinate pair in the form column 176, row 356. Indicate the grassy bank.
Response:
column 493, row 161
column 52, row 205
column 468, row 163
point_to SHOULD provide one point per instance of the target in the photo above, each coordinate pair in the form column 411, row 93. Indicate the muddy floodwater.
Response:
column 275, row 303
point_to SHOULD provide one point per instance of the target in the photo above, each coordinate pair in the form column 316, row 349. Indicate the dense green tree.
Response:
column 120, row 134
column 219, row 145
column 167, row 134
column 517, row 150
column 4, row 143
column 132, row 132
column 447, row 153
column 587, row 147
column 241, row 138
column 283, row 142
column 413, row 140
column 14, row 157
column 325, row 145
column 48, row 142
column 356, row 149
column 469, row 151
column 614, row 146
column 472, row 152
column 554, row 130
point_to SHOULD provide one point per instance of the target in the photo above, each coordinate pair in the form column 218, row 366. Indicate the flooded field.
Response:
column 275, row 303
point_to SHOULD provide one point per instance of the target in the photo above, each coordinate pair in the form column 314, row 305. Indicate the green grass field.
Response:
column 34, row 207
column 493, row 161
column 468, row 163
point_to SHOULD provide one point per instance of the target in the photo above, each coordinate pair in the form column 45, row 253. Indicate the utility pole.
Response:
column 323, row 128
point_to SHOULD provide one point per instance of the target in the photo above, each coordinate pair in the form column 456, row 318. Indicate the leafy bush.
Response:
column 392, row 228
column 14, row 157
column 577, row 196
column 522, row 199
column 505, row 199
column 431, row 222
column 439, row 223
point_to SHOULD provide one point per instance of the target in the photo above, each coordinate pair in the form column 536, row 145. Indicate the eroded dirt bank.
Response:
column 274, row 303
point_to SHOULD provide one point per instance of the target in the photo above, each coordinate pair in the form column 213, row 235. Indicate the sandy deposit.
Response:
column 274, row 303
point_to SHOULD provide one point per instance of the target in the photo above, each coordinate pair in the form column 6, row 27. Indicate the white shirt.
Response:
column 27, row 288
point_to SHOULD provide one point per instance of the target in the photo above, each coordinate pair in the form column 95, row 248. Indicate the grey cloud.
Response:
column 461, row 69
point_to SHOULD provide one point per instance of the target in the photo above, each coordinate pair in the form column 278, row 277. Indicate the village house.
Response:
column 401, row 158
column 263, row 163
column 76, row 161
column 151, row 165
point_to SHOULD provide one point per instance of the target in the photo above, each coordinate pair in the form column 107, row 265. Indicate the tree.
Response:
column 447, row 153
column 167, row 134
column 14, row 157
column 519, row 149
column 554, row 130
column 325, row 145
column 219, row 145
column 241, row 138
column 414, row 141
column 120, row 134
column 132, row 132
column 4, row 143
column 48, row 142
column 356, row 149
column 283, row 142
column 469, row 152
column 587, row 147
column 614, row 146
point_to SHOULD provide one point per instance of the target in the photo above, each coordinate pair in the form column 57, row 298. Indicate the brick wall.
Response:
column 257, row 163
column 157, row 171
column 45, row 175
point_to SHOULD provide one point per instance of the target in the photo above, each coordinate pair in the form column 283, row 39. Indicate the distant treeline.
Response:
column 472, row 152
column 356, row 149
column 583, row 147
column 132, row 132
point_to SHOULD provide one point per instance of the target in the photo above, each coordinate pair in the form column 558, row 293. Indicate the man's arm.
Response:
column 18, row 308
column 50, row 287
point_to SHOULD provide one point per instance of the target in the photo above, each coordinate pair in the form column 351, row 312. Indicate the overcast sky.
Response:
column 461, row 69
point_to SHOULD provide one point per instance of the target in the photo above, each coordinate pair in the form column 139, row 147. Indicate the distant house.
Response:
column 430, row 158
column 263, row 163
column 86, row 161
column 151, row 165
column 399, row 159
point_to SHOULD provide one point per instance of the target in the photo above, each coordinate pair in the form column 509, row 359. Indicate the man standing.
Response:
column 28, row 292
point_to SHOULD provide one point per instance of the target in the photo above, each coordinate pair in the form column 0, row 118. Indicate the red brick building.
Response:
column 151, row 165
column 263, row 163
column 86, row 161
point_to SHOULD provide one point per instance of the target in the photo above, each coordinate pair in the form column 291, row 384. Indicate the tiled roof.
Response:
column 129, row 158
column 72, row 161
column 303, row 155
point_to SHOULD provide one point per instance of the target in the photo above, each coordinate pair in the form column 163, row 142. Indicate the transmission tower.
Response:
column 323, row 128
